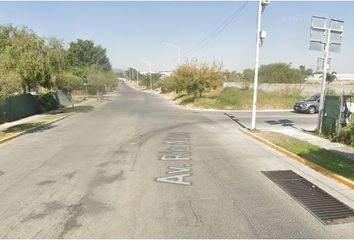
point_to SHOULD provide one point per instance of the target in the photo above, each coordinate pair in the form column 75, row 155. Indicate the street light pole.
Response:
column 178, row 51
column 255, row 84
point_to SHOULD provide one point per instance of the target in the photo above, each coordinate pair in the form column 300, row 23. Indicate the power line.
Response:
column 217, row 30
column 213, row 34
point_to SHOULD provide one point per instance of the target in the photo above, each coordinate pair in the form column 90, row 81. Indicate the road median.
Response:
column 332, row 165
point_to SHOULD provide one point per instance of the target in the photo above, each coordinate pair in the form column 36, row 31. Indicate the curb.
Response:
column 43, row 125
column 34, row 128
column 293, row 156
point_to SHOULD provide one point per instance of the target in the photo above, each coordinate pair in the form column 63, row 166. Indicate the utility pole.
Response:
column 260, row 36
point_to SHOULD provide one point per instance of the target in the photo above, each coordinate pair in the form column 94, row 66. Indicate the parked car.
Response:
column 309, row 105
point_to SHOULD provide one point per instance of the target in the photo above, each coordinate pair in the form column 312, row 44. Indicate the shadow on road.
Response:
column 282, row 122
column 78, row 109
column 42, row 128
column 235, row 119
column 21, row 127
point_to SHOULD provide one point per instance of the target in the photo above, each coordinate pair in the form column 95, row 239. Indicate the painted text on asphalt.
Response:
column 178, row 149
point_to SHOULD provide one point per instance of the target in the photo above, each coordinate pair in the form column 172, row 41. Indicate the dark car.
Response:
column 309, row 105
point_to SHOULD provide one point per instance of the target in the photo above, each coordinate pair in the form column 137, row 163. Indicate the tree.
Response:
column 56, row 58
column 24, row 53
column 67, row 82
column 96, row 79
column 232, row 76
column 131, row 73
column 82, row 54
column 279, row 73
column 144, row 79
column 101, row 80
column 9, row 84
column 248, row 75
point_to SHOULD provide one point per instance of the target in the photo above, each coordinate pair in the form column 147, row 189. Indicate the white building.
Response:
column 340, row 77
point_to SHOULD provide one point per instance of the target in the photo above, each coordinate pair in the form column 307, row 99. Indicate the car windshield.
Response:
column 312, row 98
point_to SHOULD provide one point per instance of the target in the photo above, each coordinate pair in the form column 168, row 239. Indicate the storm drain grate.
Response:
column 326, row 208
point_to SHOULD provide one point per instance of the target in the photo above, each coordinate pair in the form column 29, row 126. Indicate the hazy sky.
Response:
column 133, row 32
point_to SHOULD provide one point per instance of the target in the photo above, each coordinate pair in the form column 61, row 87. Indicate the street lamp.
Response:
column 178, row 51
column 259, row 41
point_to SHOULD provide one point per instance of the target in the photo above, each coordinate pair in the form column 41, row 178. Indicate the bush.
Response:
column 242, row 98
column 156, row 78
column 278, row 73
column 168, row 85
column 195, row 78
column 48, row 101
column 234, row 97
column 346, row 135
column 68, row 82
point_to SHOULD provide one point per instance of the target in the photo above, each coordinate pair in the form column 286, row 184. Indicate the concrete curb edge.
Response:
column 34, row 128
column 44, row 124
column 308, row 163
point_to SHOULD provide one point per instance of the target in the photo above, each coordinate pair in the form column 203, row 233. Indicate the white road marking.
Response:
column 176, row 179
column 176, row 157
column 179, row 150
column 178, row 170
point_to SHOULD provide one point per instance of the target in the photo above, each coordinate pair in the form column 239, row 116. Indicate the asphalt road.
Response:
column 140, row 167
column 268, row 119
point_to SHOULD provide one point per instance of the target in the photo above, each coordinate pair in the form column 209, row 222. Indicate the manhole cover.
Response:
column 323, row 206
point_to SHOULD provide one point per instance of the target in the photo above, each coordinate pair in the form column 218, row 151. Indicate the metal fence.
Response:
column 21, row 106
column 17, row 107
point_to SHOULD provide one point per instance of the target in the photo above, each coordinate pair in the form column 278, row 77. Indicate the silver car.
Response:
column 309, row 105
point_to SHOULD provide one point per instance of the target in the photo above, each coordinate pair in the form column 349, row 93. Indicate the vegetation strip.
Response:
column 314, row 160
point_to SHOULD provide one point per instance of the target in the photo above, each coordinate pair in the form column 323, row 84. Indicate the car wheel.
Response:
column 312, row 110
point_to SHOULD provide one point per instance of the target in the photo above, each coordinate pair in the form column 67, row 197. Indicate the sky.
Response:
column 225, row 32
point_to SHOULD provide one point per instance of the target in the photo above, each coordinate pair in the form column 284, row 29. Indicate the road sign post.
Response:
column 325, row 38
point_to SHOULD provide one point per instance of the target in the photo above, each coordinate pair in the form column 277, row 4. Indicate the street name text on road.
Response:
column 179, row 150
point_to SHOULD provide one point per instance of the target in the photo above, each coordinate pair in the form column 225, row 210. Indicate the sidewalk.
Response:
column 11, row 130
column 337, row 148
column 27, row 119
column 38, row 116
